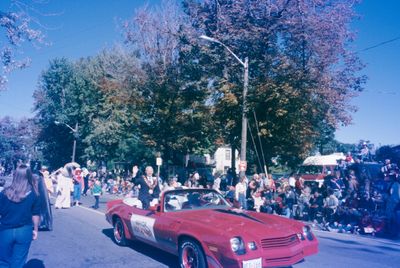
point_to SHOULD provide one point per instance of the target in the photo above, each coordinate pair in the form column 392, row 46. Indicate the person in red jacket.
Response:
column 78, row 181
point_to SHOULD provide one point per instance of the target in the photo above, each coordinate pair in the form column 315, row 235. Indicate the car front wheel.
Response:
column 119, row 233
column 191, row 255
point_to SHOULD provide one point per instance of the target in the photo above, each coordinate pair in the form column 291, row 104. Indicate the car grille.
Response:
column 279, row 242
column 296, row 258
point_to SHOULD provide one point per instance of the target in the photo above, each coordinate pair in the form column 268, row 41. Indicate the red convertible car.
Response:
column 204, row 230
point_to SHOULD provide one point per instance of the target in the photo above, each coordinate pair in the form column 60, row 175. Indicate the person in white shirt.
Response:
column 292, row 180
column 217, row 182
column 240, row 192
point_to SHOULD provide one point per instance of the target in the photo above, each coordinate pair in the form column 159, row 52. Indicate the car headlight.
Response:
column 237, row 245
column 307, row 233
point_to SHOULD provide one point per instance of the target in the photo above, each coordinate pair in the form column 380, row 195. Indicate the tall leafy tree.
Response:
column 112, row 104
column 302, row 71
column 175, row 115
column 52, row 100
column 100, row 95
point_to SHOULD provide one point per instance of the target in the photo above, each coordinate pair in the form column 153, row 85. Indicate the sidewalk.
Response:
column 317, row 229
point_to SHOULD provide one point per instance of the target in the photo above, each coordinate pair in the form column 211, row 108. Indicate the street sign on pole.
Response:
column 158, row 163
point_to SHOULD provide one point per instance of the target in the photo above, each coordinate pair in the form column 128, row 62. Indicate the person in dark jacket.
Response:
column 19, row 218
column 149, row 188
column 46, row 215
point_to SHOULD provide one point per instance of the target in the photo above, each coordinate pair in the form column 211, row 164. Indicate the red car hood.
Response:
column 230, row 222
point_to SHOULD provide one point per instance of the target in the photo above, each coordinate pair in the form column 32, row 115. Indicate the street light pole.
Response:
column 245, row 64
column 74, row 146
column 74, row 131
column 243, row 145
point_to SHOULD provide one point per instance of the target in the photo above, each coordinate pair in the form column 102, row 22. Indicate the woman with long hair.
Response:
column 19, row 218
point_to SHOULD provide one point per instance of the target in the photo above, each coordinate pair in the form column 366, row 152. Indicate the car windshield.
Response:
column 193, row 199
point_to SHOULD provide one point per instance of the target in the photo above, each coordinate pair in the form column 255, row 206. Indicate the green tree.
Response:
column 100, row 94
column 17, row 140
column 302, row 72
column 175, row 119
column 51, row 104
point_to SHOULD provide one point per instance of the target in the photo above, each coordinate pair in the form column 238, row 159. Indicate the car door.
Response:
column 166, row 229
column 142, row 223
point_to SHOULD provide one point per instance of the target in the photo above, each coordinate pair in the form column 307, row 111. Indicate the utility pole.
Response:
column 75, row 133
column 243, row 143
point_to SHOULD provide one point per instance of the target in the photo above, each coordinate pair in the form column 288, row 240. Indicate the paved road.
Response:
column 82, row 238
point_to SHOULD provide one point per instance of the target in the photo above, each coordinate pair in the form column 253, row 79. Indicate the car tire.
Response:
column 191, row 255
column 119, row 233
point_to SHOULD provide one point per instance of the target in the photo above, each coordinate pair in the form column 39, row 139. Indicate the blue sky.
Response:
column 377, row 118
column 83, row 28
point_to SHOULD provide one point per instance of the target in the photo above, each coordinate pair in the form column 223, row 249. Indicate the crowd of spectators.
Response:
column 349, row 200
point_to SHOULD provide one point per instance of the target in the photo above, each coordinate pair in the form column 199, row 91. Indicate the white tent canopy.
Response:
column 324, row 160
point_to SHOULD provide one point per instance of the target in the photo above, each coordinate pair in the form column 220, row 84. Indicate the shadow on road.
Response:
column 152, row 252
column 34, row 263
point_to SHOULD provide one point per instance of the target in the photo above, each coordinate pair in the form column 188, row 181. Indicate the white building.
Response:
column 222, row 159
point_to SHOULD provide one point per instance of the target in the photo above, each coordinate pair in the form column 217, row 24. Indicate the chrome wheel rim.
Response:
column 189, row 257
column 118, row 232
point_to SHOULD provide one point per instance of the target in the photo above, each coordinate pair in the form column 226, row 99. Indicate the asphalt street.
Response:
column 82, row 238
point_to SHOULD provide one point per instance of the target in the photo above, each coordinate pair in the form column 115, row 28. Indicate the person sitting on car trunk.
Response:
column 149, row 188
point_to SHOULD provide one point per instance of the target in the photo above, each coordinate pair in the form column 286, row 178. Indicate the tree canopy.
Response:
column 168, row 91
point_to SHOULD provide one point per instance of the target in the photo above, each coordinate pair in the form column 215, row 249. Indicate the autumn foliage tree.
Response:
column 302, row 70
column 169, row 91
column 175, row 119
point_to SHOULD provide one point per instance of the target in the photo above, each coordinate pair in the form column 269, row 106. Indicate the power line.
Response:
column 380, row 44
column 383, row 92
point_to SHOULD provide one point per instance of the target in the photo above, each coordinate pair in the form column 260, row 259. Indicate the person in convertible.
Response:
column 149, row 187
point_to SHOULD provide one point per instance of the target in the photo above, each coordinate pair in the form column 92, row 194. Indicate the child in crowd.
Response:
column 96, row 192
